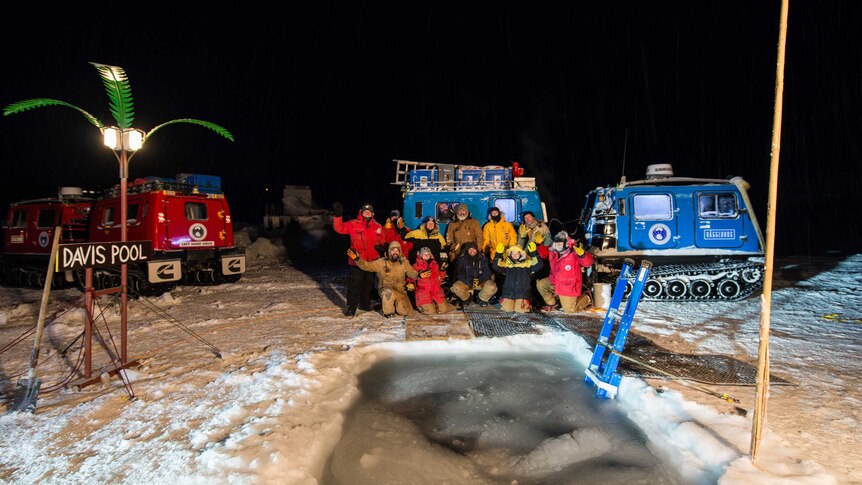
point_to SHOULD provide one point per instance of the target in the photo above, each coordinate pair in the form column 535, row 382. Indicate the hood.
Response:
column 515, row 249
column 469, row 245
column 526, row 263
column 424, row 229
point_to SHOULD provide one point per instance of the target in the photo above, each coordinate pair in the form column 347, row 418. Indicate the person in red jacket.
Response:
column 395, row 230
column 366, row 239
column 429, row 292
column 565, row 281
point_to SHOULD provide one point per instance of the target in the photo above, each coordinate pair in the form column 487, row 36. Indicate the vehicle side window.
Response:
column 717, row 206
column 132, row 213
column 419, row 210
column 108, row 216
column 196, row 211
column 19, row 219
column 507, row 207
column 653, row 207
column 47, row 218
column 446, row 211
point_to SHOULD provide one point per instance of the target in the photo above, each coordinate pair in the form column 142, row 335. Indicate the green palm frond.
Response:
column 28, row 104
column 119, row 93
column 206, row 124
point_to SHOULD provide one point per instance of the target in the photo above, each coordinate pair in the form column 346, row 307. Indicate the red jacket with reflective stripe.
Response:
column 363, row 236
column 566, row 272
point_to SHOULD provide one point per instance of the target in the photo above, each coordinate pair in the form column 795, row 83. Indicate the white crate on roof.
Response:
column 525, row 182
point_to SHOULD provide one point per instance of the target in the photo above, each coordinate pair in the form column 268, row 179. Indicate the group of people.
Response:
column 481, row 261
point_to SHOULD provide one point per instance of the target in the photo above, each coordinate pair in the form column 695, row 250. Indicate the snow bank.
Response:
column 259, row 248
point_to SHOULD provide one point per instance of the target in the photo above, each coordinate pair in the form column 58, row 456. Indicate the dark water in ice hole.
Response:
column 524, row 418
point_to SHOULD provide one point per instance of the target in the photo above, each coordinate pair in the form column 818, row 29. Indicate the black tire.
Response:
column 699, row 288
column 676, row 288
column 729, row 289
column 652, row 288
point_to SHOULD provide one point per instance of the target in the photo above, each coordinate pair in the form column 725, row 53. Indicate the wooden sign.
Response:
column 102, row 255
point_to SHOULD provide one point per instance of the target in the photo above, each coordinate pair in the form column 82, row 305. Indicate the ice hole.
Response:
column 488, row 418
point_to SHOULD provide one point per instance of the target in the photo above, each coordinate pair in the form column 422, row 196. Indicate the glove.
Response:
column 539, row 238
column 352, row 254
column 531, row 247
column 380, row 248
column 425, row 274
column 500, row 248
column 454, row 247
column 411, row 287
column 523, row 230
column 476, row 284
column 444, row 265
column 338, row 209
column 579, row 250
column 399, row 223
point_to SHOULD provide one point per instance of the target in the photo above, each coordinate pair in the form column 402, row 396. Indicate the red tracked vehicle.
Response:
column 187, row 220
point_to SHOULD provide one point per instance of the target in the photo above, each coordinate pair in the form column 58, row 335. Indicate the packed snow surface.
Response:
column 290, row 400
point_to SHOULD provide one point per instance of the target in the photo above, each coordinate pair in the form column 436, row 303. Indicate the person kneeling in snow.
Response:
column 429, row 293
column 392, row 273
column 518, row 268
column 565, row 281
column 473, row 274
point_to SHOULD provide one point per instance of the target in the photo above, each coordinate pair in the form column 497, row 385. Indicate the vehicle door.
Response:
column 195, row 222
column 653, row 221
column 41, row 230
column 719, row 223
column 16, row 235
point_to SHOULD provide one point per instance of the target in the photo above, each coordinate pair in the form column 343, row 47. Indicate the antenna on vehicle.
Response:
column 625, row 146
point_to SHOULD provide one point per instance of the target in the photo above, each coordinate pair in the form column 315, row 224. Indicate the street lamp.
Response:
column 123, row 141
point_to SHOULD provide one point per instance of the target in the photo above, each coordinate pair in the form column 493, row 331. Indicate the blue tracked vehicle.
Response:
column 437, row 189
column 701, row 235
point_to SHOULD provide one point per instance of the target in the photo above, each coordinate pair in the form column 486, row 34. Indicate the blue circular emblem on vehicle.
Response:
column 659, row 234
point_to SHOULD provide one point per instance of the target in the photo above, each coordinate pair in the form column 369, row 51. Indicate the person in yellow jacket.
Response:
column 497, row 231
column 428, row 235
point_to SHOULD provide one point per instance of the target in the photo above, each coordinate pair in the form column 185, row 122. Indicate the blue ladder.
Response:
column 602, row 370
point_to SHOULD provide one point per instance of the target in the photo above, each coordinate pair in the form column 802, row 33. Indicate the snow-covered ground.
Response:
column 274, row 408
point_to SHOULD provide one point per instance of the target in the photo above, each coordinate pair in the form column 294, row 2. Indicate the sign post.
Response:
column 87, row 256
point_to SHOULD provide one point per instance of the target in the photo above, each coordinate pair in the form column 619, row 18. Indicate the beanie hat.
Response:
column 423, row 250
column 561, row 236
column 394, row 213
column 367, row 207
column 428, row 218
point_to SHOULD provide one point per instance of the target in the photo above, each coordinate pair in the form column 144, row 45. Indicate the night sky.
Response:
column 327, row 95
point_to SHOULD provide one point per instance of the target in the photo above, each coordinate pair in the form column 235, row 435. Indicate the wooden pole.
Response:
column 762, row 393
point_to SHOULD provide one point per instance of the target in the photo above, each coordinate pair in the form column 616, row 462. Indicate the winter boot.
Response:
column 350, row 311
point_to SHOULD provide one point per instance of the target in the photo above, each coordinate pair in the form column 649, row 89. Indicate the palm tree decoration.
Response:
column 122, row 139
column 122, row 107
